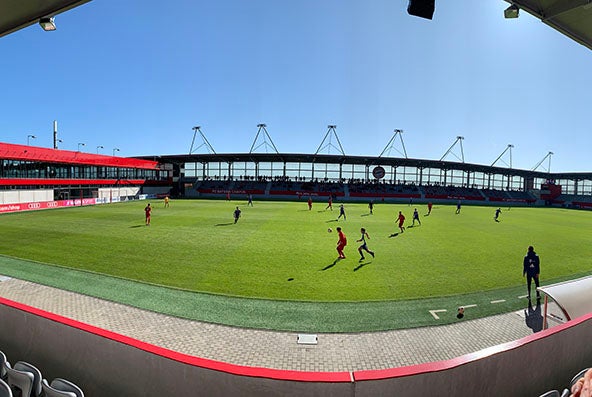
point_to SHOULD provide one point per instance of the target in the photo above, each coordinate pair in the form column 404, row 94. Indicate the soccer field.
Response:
column 283, row 251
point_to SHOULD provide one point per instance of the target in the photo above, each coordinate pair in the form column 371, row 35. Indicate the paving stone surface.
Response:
column 270, row 349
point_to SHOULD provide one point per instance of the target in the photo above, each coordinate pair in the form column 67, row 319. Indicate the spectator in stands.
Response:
column 583, row 386
column 531, row 269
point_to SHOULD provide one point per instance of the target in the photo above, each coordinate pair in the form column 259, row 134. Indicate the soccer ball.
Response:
column 329, row 230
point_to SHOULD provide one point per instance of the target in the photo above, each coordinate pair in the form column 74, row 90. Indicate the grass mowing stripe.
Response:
column 265, row 314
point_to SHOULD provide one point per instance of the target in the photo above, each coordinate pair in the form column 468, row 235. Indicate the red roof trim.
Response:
column 61, row 182
column 32, row 153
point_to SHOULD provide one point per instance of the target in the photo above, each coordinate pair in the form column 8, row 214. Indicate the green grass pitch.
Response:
column 283, row 251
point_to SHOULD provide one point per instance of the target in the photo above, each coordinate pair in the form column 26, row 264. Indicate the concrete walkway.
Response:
column 280, row 350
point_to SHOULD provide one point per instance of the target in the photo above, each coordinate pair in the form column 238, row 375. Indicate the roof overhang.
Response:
column 18, row 14
column 573, row 18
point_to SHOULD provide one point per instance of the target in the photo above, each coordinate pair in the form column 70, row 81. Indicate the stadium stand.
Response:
column 5, row 390
column 24, row 377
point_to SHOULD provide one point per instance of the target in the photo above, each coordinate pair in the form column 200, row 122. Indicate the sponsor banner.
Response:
column 582, row 204
column 226, row 191
column 449, row 197
column 299, row 193
column 510, row 200
column 391, row 195
column 42, row 205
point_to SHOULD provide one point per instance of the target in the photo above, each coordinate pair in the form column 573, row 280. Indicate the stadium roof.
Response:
column 574, row 297
column 360, row 160
column 573, row 18
column 18, row 14
column 9, row 151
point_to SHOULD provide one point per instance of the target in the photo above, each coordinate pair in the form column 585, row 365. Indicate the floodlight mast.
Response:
column 391, row 145
column 509, row 147
column 262, row 129
column 543, row 160
column 205, row 143
column 330, row 133
column 458, row 140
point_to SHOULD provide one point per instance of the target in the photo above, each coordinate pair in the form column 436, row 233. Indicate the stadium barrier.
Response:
column 105, row 363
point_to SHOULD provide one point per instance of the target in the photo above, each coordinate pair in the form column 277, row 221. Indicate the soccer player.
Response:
column 364, row 247
column 429, row 207
column 371, row 206
column 401, row 220
column 415, row 217
column 330, row 203
column 237, row 214
column 309, row 203
column 341, row 243
column 341, row 212
column 458, row 203
column 497, row 214
column 147, row 211
column 166, row 201
column 531, row 269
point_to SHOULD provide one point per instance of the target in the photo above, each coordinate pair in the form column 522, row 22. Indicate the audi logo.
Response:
column 52, row 204
column 34, row 206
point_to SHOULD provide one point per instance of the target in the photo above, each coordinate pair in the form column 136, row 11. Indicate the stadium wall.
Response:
column 25, row 196
column 104, row 363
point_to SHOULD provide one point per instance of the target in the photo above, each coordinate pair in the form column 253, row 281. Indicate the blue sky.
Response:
column 138, row 75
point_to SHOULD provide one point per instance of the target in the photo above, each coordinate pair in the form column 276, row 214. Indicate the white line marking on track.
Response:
column 523, row 296
column 498, row 301
column 433, row 313
column 465, row 306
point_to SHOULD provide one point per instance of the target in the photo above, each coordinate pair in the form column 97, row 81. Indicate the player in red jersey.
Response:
column 148, row 210
column 309, row 203
column 429, row 207
column 341, row 243
column 401, row 220
column 330, row 203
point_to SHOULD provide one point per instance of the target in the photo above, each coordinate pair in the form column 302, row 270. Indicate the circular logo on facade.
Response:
column 378, row 172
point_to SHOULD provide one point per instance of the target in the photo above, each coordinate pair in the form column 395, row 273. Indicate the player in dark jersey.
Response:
column 341, row 212
column 148, row 211
column 497, row 214
column 415, row 217
column 237, row 214
column 458, row 204
column 371, row 206
column 364, row 247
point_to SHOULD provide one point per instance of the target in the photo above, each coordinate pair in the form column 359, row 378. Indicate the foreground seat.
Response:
column 2, row 368
column 61, row 388
column 25, row 377
column 5, row 389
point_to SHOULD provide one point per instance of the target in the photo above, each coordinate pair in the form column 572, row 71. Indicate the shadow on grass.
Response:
column 361, row 265
column 393, row 235
column 365, row 214
column 331, row 265
column 332, row 220
column 224, row 224
column 135, row 226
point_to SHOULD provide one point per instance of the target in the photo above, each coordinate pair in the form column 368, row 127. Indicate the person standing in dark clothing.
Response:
column 531, row 269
